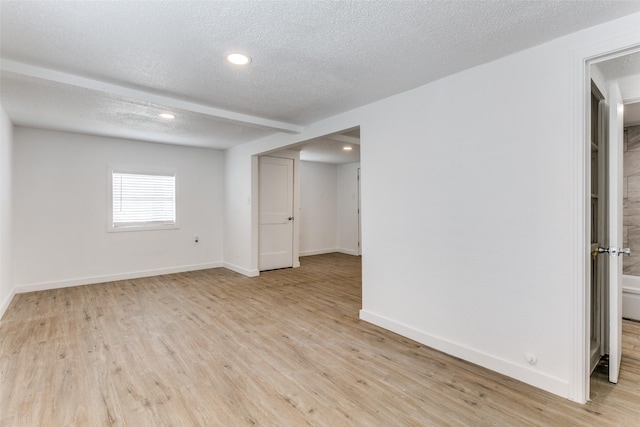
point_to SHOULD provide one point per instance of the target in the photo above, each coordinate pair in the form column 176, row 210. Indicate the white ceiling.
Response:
column 331, row 149
column 108, row 67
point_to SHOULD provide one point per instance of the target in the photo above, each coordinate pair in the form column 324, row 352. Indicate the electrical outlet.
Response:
column 531, row 358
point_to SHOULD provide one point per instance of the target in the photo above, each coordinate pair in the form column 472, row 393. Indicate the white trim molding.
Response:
column 241, row 270
column 522, row 373
column 318, row 252
column 7, row 302
column 353, row 252
column 80, row 281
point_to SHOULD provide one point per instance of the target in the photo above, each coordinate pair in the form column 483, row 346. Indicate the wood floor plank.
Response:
column 287, row 348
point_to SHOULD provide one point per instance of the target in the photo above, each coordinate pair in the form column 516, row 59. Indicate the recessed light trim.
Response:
column 167, row 116
column 238, row 58
column 347, row 148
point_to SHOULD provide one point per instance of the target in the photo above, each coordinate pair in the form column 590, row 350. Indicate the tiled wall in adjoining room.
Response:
column 631, row 264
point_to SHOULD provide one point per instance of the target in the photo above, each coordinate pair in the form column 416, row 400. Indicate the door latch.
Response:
column 611, row 251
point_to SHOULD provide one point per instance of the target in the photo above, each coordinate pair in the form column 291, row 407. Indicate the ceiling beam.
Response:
column 346, row 139
column 165, row 101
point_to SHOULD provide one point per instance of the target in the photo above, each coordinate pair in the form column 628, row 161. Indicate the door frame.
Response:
column 579, row 387
column 359, row 214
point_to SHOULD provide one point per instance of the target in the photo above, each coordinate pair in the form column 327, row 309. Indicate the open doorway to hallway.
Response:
column 330, row 196
column 327, row 213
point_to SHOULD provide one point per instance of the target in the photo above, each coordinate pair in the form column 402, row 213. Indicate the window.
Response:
column 142, row 201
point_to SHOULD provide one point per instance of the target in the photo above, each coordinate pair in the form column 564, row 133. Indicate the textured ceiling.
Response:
column 618, row 68
column 107, row 67
column 70, row 108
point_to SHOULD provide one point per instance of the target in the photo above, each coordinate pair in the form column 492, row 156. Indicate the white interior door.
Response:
column 615, row 231
column 276, row 213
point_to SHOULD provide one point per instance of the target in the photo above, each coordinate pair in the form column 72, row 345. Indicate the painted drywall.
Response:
column 6, row 202
column 474, row 234
column 348, row 232
column 458, row 220
column 318, row 208
column 241, row 211
column 329, row 208
column 60, row 210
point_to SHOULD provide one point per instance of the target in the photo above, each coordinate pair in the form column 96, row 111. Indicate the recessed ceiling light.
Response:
column 167, row 116
column 347, row 148
column 238, row 59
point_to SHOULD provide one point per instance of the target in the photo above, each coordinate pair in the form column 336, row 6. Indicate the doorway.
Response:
column 610, row 87
column 330, row 196
column 326, row 199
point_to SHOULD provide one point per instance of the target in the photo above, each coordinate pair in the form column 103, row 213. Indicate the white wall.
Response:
column 318, row 208
column 464, row 222
column 329, row 208
column 474, row 230
column 241, row 211
column 348, row 227
column 60, row 210
column 6, row 260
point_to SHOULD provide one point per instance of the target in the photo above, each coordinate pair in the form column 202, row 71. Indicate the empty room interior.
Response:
column 319, row 213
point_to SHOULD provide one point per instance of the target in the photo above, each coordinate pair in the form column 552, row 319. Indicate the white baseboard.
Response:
column 631, row 303
column 522, row 373
column 43, row 286
column 348, row 251
column 329, row 251
column 6, row 302
column 318, row 252
column 241, row 270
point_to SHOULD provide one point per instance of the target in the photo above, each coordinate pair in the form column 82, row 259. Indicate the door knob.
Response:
column 290, row 218
column 612, row 251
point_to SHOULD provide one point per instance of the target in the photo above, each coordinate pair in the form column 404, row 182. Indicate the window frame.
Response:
column 138, row 170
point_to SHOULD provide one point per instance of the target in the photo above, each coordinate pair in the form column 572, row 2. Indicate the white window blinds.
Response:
column 143, row 200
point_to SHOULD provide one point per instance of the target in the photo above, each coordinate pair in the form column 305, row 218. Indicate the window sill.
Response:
column 142, row 228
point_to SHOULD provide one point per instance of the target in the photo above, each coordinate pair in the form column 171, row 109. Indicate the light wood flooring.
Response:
column 214, row 348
